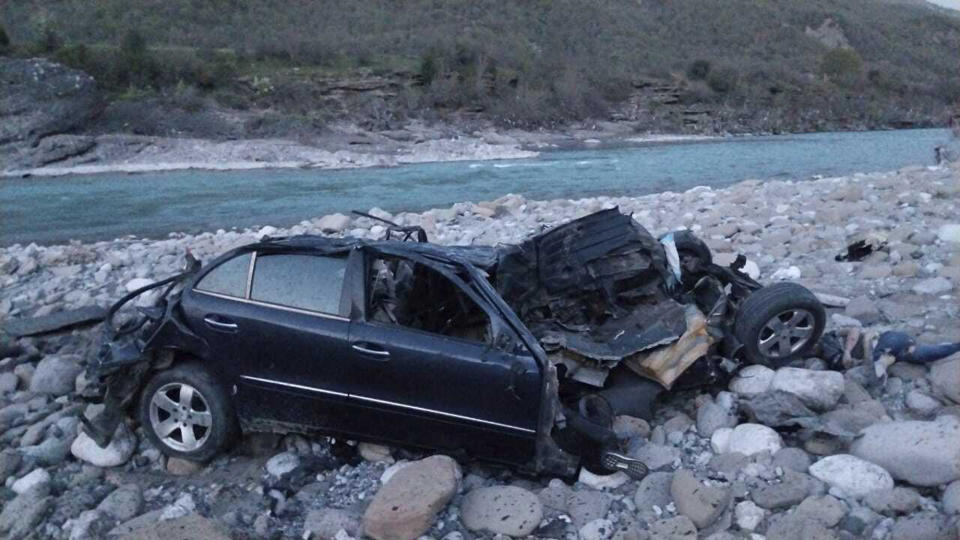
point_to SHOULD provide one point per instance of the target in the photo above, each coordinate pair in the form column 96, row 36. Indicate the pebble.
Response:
column 282, row 463
column 748, row 515
column 747, row 439
column 30, row 480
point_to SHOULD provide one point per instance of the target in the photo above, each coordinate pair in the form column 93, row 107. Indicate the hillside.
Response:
column 681, row 66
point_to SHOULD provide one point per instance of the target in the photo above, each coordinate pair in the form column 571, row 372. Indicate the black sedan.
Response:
column 509, row 354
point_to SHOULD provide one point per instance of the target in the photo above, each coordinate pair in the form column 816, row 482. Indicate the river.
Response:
column 105, row 206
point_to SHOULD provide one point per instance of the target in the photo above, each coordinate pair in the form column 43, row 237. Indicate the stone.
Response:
column 701, row 503
column 586, row 506
column 933, row 286
column 24, row 512
column 182, row 467
column 752, row 380
column 791, row 458
column 945, row 377
column 508, row 510
column 333, row 223
column 819, row 390
column 854, row 476
column 325, row 523
column 893, row 501
column 749, row 516
column 282, row 463
column 676, row 528
column 921, row 403
column 30, row 480
column 188, row 527
column 375, row 453
column 55, row 375
column 951, row 498
column 8, row 383
column 876, row 271
column 116, row 453
column 924, row 526
column 42, row 98
column 629, row 427
column 654, row 490
column 90, row 524
column 123, row 503
column 822, row 508
column 656, row 456
column 598, row 529
column 921, row 453
column 605, row 481
column 863, row 309
column 750, row 439
column 789, row 492
column 949, row 232
column 406, row 505
column 712, row 416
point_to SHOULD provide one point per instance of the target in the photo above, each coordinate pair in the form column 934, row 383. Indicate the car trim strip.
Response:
column 391, row 403
column 441, row 413
column 297, row 386
column 275, row 306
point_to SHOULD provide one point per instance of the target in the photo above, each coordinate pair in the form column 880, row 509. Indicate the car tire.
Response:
column 779, row 323
column 187, row 414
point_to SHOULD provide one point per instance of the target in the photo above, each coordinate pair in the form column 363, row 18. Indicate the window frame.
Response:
column 248, row 289
column 489, row 344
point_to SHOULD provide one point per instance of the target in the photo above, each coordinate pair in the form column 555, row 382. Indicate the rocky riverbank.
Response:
column 869, row 462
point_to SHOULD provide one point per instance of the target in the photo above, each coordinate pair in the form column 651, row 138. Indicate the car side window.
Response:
column 229, row 278
column 415, row 296
column 309, row 282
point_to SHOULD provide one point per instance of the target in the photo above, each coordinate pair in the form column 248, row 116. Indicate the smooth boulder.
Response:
column 820, row 390
column 701, row 503
column 920, row 453
column 405, row 507
column 852, row 475
column 116, row 453
column 55, row 375
column 508, row 510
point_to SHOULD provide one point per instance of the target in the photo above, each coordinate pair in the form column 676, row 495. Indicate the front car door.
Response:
column 425, row 370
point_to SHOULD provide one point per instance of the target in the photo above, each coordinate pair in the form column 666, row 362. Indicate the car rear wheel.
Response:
column 779, row 324
column 187, row 414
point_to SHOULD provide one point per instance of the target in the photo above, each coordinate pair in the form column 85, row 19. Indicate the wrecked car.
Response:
column 517, row 354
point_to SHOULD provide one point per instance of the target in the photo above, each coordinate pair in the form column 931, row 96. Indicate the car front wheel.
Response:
column 187, row 414
column 779, row 323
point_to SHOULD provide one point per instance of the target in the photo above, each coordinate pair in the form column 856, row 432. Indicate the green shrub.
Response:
column 4, row 40
column 698, row 70
column 49, row 42
column 841, row 65
column 723, row 80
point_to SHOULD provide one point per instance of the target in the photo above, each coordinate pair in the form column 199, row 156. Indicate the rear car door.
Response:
column 284, row 343
column 424, row 370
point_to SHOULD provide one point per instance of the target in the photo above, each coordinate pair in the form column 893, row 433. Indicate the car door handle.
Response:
column 222, row 325
column 366, row 348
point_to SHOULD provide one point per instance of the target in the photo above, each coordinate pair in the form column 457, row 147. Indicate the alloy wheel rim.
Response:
column 180, row 416
column 786, row 333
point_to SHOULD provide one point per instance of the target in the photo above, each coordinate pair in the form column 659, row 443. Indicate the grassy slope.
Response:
column 566, row 57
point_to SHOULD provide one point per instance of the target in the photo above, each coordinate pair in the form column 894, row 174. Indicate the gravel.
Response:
column 720, row 469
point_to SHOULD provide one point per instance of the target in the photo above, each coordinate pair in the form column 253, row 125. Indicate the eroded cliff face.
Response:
column 41, row 98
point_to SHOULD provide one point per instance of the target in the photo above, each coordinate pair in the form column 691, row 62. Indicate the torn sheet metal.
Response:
column 667, row 363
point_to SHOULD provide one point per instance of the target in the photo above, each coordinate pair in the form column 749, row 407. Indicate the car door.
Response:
column 428, row 387
column 284, row 344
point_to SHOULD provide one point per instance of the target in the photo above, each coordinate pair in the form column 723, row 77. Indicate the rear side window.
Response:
column 230, row 278
column 300, row 281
